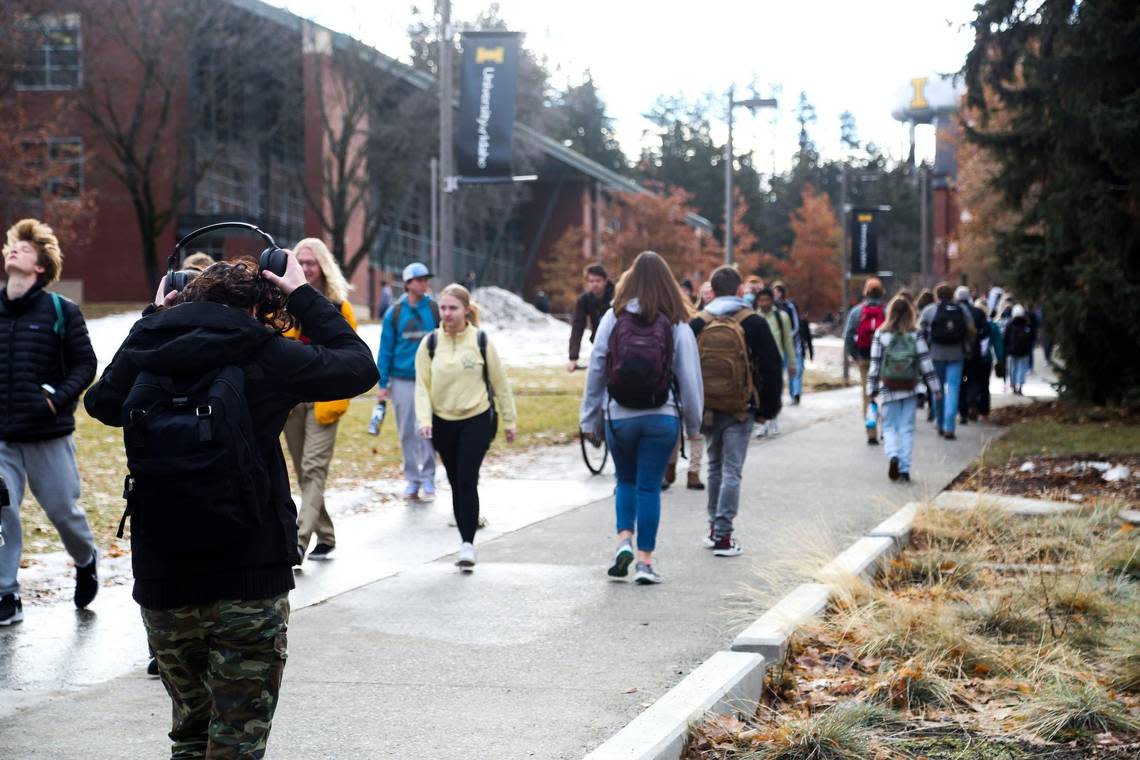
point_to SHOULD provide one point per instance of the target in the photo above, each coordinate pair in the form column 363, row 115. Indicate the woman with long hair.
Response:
column 461, row 390
column 310, row 431
column 645, row 375
column 900, row 358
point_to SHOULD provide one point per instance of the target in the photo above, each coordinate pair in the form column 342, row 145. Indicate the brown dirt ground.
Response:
column 1055, row 477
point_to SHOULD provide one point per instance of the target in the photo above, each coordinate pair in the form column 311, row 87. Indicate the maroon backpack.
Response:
column 639, row 363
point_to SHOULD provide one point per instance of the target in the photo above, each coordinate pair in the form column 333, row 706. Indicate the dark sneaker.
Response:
column 796, row 400
column 322, row 552
column 152, row 667
column 872, row 441
column 11, row 609
column 646, row 575
column 726, row 546
column 904, row 477
column 86, row 582
column 949, row 435
column 893, row 470
column 623, row 558
column 695, row 483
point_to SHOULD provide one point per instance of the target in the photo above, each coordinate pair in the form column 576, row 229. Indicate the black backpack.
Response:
column 948, row 328
column 197, row 482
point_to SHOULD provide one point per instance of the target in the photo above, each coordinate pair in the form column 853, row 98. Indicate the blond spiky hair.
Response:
column 43, row 238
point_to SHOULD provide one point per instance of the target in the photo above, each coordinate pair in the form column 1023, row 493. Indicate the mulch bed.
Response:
column 1064, row 411
column 1060, row 478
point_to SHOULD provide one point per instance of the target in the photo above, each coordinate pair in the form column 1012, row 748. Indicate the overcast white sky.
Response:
column 853, row 56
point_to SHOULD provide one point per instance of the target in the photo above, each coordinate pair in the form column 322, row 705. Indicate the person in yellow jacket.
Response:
column 310, row 431
column 460, row 390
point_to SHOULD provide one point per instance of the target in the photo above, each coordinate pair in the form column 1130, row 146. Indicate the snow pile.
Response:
column 523, row 335
column 506, row 311
column 108, row 333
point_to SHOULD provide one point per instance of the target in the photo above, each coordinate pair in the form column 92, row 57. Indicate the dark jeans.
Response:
column 462, row 444
column 975, row 386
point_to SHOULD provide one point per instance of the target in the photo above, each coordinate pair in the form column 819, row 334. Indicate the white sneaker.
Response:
column 762, row 430
column 466, row 561
column 774, row 427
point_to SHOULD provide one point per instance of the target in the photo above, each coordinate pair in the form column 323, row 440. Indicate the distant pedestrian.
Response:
column 899, row 359
column 788, row 306
column 310, row 431
column 645, row 376
column 542, row 302
column 1018, row 347
column 742, row 378
column 588, row 309
column 689, row 291
column 405, row 324
column 752, row 286
column 461, row 393
column 976, row 368
column 198, row 262
column 707, row 294
column 858, row 335
column 992, row 357
column 48, row 361
column 385, row 295
column 781, row 326
column 470, row 282
column 951, row 329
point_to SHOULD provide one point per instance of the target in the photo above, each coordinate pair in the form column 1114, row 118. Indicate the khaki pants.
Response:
column 311, row 447
column 864, row 370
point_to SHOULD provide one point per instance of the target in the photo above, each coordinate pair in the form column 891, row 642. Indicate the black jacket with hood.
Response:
column 196, row 338
column 588, row 310
column 33, row 354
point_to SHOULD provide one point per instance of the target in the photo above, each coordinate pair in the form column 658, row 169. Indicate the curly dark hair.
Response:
column 239, row 284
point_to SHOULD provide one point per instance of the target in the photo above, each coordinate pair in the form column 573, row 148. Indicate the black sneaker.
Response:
column 152, row 667
column 796, row 400
column 904, row 477
column 86, row 582
column 321, row 552
column 726, row 546
column 623, row 558
column 893, row 470
column 949, row 435
column 11, row 609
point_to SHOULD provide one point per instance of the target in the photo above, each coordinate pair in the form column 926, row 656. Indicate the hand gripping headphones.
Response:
column 272, row 259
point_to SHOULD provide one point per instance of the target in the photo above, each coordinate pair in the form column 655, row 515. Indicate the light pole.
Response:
column 751, row 104
column 446, row 272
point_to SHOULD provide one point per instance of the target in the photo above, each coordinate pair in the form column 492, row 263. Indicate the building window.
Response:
column 54, row 168
column 51, row 57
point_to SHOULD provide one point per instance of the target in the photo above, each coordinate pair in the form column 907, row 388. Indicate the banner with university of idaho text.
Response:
column 864, row 241
column 487, row 104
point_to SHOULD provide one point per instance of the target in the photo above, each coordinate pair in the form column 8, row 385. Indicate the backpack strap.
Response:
column 481, row 339
column 434, row 307
column 60, row 326
column 396, row 309
column 432, row 342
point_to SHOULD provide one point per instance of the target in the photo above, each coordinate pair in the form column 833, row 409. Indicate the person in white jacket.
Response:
column 644, row 381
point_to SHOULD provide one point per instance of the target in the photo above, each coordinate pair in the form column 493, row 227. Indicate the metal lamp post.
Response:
column 751, row 104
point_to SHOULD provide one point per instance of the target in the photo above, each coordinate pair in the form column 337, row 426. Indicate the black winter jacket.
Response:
column 34, row 354
column 588, row 310
column 195, row 338
column 767, row 366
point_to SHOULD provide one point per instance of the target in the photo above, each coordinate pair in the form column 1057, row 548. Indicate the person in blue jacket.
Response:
column 406, row 322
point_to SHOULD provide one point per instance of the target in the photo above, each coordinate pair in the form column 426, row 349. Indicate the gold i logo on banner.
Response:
column 864, row 217
column 919, row 101
column 490, row 55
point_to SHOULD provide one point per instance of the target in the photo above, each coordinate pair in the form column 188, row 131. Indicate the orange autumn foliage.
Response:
column 812, row 270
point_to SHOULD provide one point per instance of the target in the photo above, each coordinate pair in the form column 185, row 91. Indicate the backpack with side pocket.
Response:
column 197, row 482
column 948, row 328
column 639, row 361
column 725, row 364
column 871, row 318
column 900, row 363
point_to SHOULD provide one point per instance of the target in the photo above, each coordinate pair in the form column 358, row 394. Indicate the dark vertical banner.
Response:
column 864, row 241
column 487, row 104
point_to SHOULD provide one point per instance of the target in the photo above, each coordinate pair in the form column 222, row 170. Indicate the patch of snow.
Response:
column 108, row 333
column 1076, row 497
column 1027, row 467
column 1120, row 472
column 1080, row 468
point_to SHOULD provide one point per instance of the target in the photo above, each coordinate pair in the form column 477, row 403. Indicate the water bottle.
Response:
column 377, row 419
column 872, row 415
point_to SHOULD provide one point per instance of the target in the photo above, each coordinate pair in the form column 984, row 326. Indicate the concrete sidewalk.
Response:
column 536, row 654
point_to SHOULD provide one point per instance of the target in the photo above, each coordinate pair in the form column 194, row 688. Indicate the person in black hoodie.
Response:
column 216, row 619
column 48, row 361
column 589, row 309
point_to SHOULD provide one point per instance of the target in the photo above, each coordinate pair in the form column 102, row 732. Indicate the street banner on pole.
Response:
column 487, row 104
column 864, row 241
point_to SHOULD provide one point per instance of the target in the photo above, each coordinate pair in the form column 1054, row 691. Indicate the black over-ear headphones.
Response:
column 272, row 259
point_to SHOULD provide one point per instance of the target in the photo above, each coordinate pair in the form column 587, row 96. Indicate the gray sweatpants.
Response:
column 726, row 443
column 419, row 456
column 49, row 468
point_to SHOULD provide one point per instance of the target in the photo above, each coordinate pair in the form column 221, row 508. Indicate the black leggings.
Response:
column 461, row 445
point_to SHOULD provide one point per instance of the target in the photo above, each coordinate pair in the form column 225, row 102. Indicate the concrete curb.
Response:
column 898, row 526
column 862, row 559
column 1015, row 505
column 726, row 682
column 770, row 633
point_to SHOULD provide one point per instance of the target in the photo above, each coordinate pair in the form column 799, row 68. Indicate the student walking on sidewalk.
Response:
column 951, row 329
column 644, row 376
column 405, row 325
column 461, row 391
column 1019, row 337
column 310, row 431
column 741, row 372
column 780, row 325
column 900, row 358
column 859, row 333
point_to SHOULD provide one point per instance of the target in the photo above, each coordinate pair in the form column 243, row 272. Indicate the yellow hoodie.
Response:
column 328, row 412
column 451, row 386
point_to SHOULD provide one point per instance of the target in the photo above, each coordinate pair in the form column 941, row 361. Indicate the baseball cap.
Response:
column 414, row 270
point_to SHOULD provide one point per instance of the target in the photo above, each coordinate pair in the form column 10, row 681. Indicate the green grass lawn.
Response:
column 547, row 401
column 1056, row 438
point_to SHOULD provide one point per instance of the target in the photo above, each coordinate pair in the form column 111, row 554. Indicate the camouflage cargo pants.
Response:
column 221, row 664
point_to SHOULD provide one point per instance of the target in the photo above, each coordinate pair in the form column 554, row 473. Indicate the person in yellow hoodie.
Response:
column 461, row 389
column 310, row 431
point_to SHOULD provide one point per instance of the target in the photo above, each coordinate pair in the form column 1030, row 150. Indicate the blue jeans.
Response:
column 946, row 410
column 641, row 447
column 727, row 445
column 898, row 430
column 1018, row 369
column 796, row 384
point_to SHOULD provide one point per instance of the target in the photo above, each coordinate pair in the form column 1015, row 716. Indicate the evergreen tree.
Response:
column 1065, row 79
column 585, row 127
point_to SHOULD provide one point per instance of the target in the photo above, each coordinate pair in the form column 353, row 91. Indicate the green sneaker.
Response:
column 623, row 558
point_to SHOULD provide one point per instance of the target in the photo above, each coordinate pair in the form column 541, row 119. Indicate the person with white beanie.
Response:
column 1019, row 338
